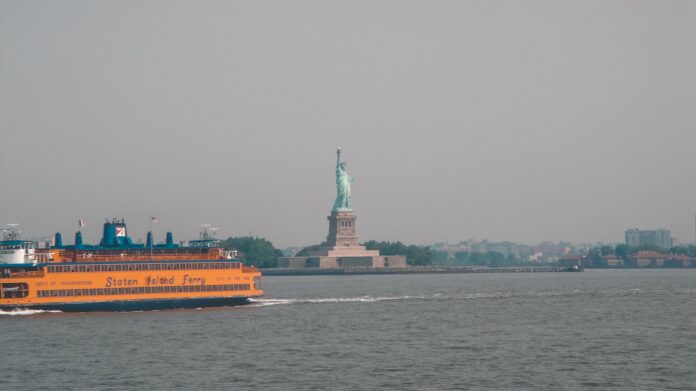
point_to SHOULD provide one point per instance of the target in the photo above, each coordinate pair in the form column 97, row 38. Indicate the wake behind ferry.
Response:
column 118, row 275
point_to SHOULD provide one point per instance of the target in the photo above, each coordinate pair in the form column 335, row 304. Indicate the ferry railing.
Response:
column 139, row 257
column 26, row 274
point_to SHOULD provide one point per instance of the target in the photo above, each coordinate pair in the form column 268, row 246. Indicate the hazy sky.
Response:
column 500, row 120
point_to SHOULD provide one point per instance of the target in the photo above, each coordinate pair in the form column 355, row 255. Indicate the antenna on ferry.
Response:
column 208, row 231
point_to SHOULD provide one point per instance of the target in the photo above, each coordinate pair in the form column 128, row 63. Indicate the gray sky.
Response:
column 504, row 120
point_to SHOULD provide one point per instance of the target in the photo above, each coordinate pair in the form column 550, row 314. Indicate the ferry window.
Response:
column 16, row 290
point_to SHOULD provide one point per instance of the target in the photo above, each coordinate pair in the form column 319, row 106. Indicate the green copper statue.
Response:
column 343, row 181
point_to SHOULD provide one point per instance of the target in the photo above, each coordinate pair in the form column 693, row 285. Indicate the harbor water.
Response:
column 601, row 329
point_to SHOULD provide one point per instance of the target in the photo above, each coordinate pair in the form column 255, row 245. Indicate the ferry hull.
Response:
column 133, row 305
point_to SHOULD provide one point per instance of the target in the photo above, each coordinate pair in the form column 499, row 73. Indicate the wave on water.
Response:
column 362, row 299
column 24, row 311
column 367, row 299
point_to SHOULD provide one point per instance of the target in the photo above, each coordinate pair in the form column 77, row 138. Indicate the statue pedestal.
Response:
column 342, row 249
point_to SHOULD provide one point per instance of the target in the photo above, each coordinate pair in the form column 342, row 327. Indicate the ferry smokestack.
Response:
column 78, row 238
column 149, row 239
column 170, row 239
column 109, row 236
column 58, row 240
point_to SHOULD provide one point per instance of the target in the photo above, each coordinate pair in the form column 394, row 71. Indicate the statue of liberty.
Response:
column 343, row 181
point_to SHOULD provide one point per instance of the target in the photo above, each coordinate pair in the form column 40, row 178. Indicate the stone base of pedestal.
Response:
column 330, row 262
column 342, row 249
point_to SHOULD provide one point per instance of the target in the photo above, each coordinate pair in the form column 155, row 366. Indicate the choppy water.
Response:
column 602, row 329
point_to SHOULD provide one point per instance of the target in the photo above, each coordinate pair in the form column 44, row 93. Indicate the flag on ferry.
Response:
column 81, row 223
column 154, row 219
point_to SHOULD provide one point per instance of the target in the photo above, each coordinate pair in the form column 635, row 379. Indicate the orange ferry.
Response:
column 118, row 275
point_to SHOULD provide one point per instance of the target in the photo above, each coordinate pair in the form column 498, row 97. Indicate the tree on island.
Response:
column 256, row 251
column 490, row 258
column 307, row 250
column 415, row 255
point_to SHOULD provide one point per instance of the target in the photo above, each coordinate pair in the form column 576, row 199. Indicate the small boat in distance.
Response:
column 118, row 275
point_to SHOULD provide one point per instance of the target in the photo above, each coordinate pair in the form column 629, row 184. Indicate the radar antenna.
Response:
column 208, row 232
column 11, row 233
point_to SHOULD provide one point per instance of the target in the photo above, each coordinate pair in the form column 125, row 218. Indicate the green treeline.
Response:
column 260, row 252
column 255, row 251
column 490, row 258
column 415, row 255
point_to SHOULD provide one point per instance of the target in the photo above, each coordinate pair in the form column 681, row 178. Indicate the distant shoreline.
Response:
column 410, row 270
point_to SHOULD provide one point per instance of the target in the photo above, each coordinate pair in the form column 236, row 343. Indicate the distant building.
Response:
column 655, row 259
column 612, row 260
column 661, row 238
column 572, row 261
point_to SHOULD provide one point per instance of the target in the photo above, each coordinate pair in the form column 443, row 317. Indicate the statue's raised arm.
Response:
column 343, row 181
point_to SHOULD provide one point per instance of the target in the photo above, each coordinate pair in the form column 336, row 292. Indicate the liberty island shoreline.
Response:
column 412, row 270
